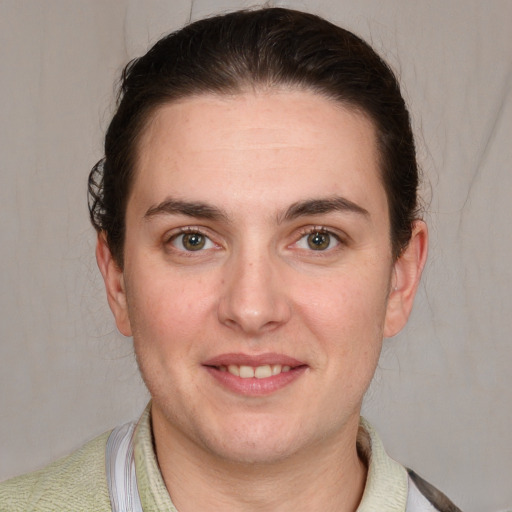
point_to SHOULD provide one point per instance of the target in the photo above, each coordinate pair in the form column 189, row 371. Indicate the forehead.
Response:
column 266, row 147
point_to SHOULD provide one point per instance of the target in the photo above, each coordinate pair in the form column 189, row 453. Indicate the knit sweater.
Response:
column 78, row 483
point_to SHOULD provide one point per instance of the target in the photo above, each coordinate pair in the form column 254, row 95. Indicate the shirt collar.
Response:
column 152, row 490
column 385, row 488
column 386, row 483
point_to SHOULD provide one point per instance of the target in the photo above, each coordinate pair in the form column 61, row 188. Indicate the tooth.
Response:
column 263, row 372
column 222, row 368
column 246, row 372
column 276, row 369
column 286, row 369
column 234, row 370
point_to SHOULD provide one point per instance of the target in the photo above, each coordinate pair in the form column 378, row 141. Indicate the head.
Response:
column 246, row 50
column 256, row 213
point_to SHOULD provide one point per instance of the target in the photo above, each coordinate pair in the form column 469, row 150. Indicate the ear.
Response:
column 405, row 280
column 114, row 284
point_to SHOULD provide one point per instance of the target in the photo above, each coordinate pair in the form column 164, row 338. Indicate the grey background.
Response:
column 442, row 396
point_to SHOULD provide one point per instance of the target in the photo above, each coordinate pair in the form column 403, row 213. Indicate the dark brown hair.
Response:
column 265, row 48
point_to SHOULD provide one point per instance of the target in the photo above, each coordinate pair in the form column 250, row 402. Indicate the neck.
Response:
column 327, row 476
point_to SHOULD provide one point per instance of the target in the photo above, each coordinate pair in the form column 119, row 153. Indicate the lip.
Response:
column 253, row 360
column 253, row 386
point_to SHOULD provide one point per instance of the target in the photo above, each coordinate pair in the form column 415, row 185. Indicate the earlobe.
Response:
column 114, row 284
column 405, row 280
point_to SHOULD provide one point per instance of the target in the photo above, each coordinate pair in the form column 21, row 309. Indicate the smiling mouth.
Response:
column 255, row 375
column 259, row 372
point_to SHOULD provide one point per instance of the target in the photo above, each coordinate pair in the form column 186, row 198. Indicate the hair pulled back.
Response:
column 245, row 50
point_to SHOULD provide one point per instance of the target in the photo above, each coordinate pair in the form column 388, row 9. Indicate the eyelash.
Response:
column 210, row 244
column 321, row 230
column 189, row 230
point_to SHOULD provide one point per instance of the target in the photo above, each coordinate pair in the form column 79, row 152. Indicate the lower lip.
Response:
column 254, row 386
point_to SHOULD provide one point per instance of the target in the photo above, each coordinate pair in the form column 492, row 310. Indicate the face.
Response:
column 258, row 281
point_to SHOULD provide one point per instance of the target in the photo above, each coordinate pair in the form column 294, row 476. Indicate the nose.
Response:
column 253, row 298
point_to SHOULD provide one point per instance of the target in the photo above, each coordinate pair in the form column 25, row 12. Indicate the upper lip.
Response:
column 240, row 359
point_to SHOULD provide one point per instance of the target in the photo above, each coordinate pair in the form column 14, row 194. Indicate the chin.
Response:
column 260, row 443
column 248, row 452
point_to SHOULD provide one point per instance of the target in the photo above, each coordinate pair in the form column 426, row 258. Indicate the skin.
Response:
column 232, row 169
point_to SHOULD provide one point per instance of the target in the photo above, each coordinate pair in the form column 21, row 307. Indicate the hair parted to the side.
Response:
column 244, row 50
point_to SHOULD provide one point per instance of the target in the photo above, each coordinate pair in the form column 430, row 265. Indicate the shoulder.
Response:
column 74, row 483
column 391, row 486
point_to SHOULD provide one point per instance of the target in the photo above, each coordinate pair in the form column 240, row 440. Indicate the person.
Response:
column 259, row 234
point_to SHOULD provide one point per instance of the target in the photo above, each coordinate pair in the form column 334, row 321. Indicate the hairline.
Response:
column 244, row 87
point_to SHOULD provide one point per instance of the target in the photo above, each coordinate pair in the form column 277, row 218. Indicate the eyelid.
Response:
column 318, row 228
column 340, row 237
column 183, row 230
column 173, row 234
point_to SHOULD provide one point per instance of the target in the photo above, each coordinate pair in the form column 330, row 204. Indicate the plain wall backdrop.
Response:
column 442, row 396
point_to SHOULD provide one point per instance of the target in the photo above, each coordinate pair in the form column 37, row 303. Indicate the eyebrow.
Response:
column 311, row 207
column 304, row 208
column 188, row 208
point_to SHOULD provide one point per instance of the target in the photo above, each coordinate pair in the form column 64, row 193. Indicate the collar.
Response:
column 387, row 481
column 385, row 489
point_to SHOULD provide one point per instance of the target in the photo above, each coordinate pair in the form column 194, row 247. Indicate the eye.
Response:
column 191, row 241
column 318, row 240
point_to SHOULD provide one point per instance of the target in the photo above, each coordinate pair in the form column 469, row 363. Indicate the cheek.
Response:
column 346, row 315
column 168, row 314
column 168, row 327
column 349, row 301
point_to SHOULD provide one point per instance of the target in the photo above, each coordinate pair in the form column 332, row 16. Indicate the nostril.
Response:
column 251, row 299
